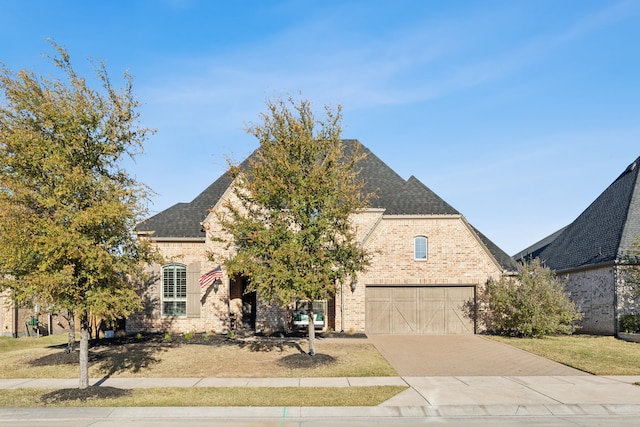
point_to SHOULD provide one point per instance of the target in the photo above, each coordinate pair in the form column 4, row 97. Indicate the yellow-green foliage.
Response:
column 67, row 207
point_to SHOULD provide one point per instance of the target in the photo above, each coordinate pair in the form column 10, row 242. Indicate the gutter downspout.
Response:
column 15, row 315
column 615, row 298
column 342, row 307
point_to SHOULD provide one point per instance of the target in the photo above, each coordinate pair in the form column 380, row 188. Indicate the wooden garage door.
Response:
column 418, row 310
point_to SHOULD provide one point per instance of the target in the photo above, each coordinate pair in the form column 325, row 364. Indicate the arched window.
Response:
column 420, row 248
column 174, row 290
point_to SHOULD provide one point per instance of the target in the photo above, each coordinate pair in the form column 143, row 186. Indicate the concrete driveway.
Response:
column 468, row 355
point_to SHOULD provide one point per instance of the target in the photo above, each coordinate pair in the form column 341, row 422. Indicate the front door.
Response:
column 248, row 307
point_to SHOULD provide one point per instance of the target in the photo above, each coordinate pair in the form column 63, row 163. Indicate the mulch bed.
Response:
column 84, row 395
column 304, row 361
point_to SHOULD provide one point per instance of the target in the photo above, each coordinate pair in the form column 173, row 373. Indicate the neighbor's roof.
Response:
column 534, row 251
column 604, row 233
column 391, row 192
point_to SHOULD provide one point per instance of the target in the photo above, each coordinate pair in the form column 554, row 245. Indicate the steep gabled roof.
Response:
column 185, row 219
column 379, row 179
column 604, row 232
column 392, row 193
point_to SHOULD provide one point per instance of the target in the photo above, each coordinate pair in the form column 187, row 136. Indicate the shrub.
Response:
column 532, row 304
column 630, row 323
column 188, row 336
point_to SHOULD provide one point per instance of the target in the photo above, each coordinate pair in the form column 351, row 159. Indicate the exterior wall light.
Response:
column 353, row 286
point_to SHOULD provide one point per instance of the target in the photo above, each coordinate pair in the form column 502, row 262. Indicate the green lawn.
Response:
column 598, row 355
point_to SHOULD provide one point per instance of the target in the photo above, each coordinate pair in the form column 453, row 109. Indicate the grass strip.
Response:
column 209, row 396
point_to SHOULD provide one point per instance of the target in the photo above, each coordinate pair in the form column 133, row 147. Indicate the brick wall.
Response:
column 593, row 292
column 214, row 305
column 455, row 257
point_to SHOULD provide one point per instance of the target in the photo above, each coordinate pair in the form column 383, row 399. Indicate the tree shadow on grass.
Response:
column 268, row 345
column 132, row 358
column 112, row 356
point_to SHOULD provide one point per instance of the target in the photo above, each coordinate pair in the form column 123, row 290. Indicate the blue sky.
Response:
column 517, row 113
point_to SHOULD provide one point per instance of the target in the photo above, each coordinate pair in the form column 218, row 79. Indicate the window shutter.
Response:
column 153, row 291
column 193, row 290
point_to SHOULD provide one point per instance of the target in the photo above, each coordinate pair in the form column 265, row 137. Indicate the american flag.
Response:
column 208, row 278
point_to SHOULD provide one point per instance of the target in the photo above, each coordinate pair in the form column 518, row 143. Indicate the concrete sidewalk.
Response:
column 130, row 383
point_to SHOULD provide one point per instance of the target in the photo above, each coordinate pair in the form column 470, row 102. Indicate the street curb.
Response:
column 293, row 413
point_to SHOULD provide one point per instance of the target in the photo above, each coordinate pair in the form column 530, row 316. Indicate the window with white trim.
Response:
column 174, row 290
column 420, row 248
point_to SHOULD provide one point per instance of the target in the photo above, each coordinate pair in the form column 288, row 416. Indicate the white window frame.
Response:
column 174, row 294
column 419, row 248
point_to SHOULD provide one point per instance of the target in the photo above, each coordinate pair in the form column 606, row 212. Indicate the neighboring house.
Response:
column 19, row 321
column 590, row 255
column 427, row 262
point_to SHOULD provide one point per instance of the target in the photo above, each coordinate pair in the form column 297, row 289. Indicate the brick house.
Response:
column 427, row 262
column 24, row 321
column 590, row 255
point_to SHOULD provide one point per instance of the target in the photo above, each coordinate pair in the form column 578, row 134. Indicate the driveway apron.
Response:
column 468, row 355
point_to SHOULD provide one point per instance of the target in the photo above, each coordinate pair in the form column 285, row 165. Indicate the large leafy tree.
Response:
column 67, row 205
column 291, row 231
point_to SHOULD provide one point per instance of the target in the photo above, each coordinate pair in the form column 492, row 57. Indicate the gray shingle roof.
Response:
column 534, row 251
column 379, row 179
column 185, row 219
column 392, row 193
column 415, row 198
column 604, row 232
column 506, row 262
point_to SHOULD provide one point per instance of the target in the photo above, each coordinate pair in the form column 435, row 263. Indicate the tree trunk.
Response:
column 71, row 343
column 312, row 331
column 84, row 352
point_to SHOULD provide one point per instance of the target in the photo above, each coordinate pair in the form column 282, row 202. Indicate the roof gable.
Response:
column 390, row 192
column 604, row 231
column 185, row 219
